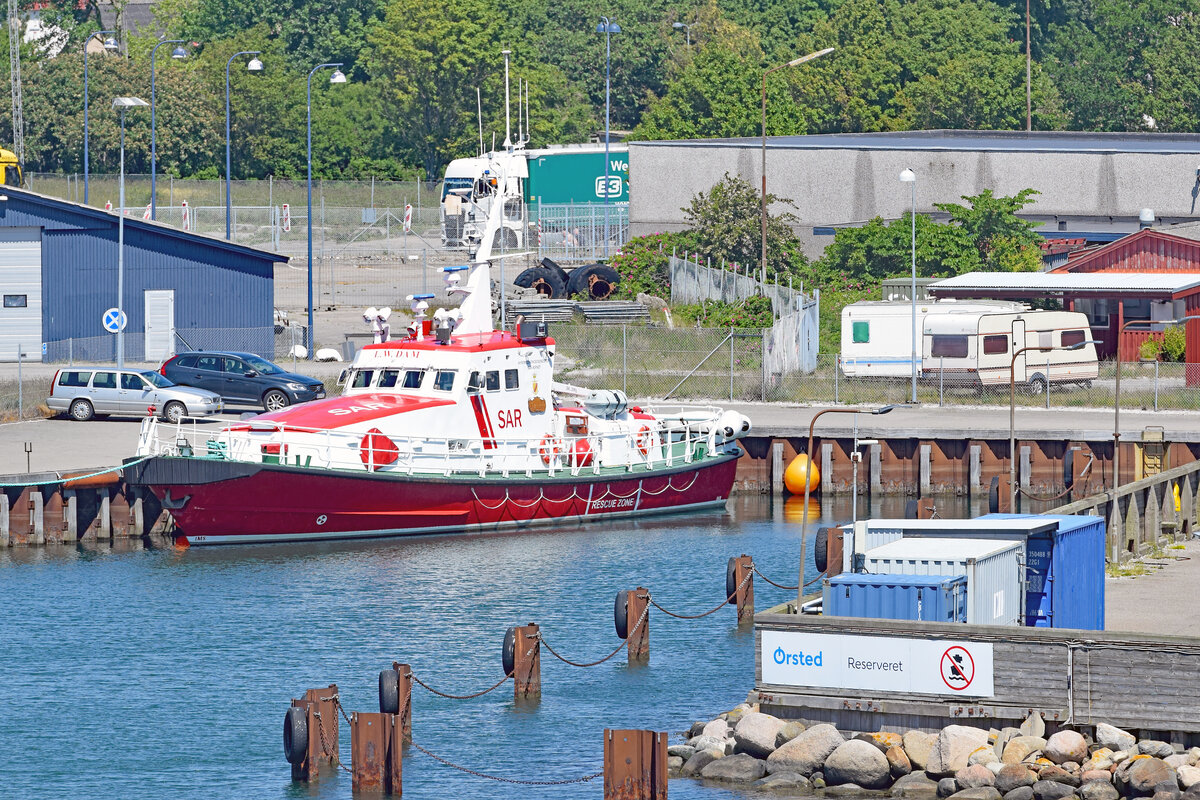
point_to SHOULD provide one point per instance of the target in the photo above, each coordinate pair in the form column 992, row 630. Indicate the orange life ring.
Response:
column 644, row 440
column 551, row 447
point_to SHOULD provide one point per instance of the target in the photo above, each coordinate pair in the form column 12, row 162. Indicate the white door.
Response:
column 160, row 324
column 21, row 287
column 1018, row 341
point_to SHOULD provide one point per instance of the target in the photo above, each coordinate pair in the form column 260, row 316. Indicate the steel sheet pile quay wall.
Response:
column 932, row 598
column 1133, row 681
column 992, row 570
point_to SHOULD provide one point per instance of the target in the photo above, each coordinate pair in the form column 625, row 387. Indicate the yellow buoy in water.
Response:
column 794, row 475
column 793, row 510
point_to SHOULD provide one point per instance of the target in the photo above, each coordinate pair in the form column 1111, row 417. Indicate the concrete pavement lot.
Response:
column 1157, row 602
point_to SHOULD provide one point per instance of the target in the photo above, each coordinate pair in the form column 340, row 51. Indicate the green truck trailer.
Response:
column 575, row 174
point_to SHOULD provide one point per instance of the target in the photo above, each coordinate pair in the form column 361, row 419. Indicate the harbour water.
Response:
column 165, row 673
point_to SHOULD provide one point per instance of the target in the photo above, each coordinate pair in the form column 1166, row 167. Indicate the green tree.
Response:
column 882, row 249
column 1175, row 104
column 1005, row 241
column 725, row 224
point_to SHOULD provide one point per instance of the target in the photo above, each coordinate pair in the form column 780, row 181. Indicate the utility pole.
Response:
column 14, row 59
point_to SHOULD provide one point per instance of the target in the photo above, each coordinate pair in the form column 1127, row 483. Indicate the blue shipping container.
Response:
column 1064, row 575
column 929, row 598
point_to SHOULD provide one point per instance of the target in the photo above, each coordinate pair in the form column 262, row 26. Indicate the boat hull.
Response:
column 229, row 502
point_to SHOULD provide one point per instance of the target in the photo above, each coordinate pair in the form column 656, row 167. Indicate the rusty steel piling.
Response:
column 635, row 765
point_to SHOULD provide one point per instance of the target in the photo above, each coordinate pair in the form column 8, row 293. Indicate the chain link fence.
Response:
column 577, row 232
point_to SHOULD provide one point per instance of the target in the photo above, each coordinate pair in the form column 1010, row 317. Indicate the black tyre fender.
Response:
column 731, row 580
column 1069, row 468
column 821, row 549
column 553, row 265
column 508, row 655
column 547, row 281
column 597, row 281
column 994, row 496
column 621, row 614
column 389, row 692
column 295, row 735
column 912, row 509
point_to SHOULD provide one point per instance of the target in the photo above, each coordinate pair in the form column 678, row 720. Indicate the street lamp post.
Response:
column 608, row 28
column 1012, row 411
column 908, row 176
column 109, row 44
column 336, row 77
column 763, row 211
column 178, row 54
column 808, row 486
column 254, row 65
column 121, row 104
column 687, row 29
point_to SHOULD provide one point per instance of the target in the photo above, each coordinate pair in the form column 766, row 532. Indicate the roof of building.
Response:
column 135, row 223
column 996, row 141
column 1043, row 283
column 1144, row 251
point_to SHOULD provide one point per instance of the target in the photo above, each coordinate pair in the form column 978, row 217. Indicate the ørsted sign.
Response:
column 879, row 663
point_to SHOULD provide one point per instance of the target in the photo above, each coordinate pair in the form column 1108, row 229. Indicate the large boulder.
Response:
column 1058, row 774
column 1051, row 790
column 917, row 746
column 707, row 743
column 983, row 755
column 784, row 780
column 947, row 787
column 1012, row 776
column 740, row 768
column 978, row 793
column 974, row 776
column 857, row 762
column 717, row 729
column 1020, row 793
column 914, row 785
column 1177, row 760
column 684, row 751
column 807, row 752
column 1146, row 774
column 1066, row 746
column 698, row 762
column 756, row 733
column 1098, row 790
column 1114, row 738
column 898, row 762
column 1155, row 748
column 1093, row 775
column 852, row 790
column 1034, row 725
column 953, row 748
column 1021, row 748
column 1189, row 776
column 789, row 731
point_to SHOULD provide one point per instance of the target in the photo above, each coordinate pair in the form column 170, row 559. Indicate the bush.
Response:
column 1174, row 343
column 644, row 267
column 752, row 312
column 1149, row 350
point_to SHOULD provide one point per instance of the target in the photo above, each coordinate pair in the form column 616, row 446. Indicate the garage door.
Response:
column 21, row 287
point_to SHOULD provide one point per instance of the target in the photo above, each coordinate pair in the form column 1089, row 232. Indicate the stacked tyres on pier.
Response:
column 594, row 281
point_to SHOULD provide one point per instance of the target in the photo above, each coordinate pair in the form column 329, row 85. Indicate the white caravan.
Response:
column 877, row 335
column 977, row 349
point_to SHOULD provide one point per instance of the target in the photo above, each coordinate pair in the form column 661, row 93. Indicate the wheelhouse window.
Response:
column 493, row 380
column 362, row 378
column 510, row 379
column 1070, row 338
column 413, row 378
column 443, row 381
column 388, row 378
column 475, row 383
column 995, row 345
column 945, row 346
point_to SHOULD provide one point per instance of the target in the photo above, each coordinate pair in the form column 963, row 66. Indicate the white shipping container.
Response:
column 992, row 568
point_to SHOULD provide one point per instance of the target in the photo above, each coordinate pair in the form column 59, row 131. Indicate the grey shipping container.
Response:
column 992, row 568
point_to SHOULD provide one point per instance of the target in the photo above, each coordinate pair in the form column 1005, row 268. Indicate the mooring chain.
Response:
column 491, row 688
column 640, row 622
column 518, row 781
column 337, row 757
column 725, row 602
column 768, row 580
column 337, row 701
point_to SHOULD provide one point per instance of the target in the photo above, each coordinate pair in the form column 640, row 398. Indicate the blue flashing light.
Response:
column 423, row 296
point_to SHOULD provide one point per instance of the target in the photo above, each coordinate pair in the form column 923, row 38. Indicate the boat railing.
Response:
column 675, row 439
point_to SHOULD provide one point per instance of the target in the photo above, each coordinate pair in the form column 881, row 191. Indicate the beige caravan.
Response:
column 978, row 349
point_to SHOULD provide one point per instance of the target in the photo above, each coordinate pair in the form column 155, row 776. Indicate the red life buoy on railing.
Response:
column 644, row 440
column 550, row 448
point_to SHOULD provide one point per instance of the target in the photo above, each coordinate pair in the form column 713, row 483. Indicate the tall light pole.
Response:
column 254, row 65
column 1028, row 75
column 178, row 54
column 908, row 176
column 109, row 44
column 808, row 486
column 1012, row 411
column 608, row 28
column 686, row 28
column 763, row 211
column 121, row 104
column 336, row 77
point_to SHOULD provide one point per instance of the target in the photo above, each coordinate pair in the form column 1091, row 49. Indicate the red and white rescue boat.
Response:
column 457, row 427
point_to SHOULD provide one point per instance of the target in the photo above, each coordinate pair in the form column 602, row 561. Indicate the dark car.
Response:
column 243, row 378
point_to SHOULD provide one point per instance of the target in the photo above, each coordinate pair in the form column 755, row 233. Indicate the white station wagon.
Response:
column 86, row 393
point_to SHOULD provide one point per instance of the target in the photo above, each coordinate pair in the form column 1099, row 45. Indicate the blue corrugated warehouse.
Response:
column 58, row 274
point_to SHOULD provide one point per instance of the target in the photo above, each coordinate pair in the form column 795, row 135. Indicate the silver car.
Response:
column 86, row 393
